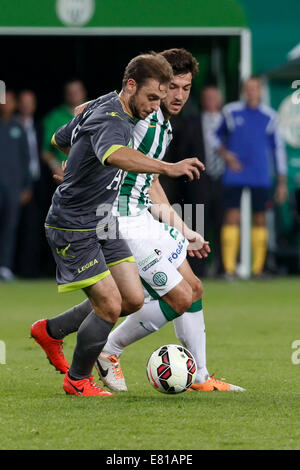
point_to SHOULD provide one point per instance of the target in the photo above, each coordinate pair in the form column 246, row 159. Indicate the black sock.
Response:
column 91, row 338
column 69, row 321
column 71, row 376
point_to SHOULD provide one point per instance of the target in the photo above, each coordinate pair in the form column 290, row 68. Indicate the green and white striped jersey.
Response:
column 151, row 136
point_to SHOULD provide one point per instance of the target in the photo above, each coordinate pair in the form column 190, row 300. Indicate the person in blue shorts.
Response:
column 246, row 139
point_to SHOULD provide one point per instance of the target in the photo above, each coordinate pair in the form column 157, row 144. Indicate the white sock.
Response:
column 190, row 330
column 136, row 326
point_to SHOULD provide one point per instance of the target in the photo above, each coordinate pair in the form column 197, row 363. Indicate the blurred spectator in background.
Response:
column 15, row 182
column 30, row 244
column 26, row 109
column 195, row 141
column 246, row 137
column 74, row 95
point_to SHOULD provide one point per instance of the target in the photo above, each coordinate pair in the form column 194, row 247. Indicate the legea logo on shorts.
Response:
column 87, row 266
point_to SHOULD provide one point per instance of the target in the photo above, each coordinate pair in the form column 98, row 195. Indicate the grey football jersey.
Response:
column 88, row 184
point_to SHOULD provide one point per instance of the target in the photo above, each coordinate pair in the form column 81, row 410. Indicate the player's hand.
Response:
column 190, row 167
column 60, row 173
column 198, row 247
column 232, row 161
column 281, row 193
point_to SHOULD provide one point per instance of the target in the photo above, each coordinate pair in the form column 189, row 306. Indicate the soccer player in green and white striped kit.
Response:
column 173, row 292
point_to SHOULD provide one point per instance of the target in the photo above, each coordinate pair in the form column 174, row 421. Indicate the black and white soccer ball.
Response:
column 171, row 369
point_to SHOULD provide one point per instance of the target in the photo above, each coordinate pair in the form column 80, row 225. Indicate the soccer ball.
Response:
column 171, row 369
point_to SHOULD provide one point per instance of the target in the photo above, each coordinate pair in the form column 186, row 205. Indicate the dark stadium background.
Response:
column 44, row 63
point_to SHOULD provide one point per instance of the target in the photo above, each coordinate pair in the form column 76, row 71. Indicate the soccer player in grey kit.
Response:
column 98, row 142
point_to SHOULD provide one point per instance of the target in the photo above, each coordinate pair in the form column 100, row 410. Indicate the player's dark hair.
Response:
column 146, row 66
column 181, row 61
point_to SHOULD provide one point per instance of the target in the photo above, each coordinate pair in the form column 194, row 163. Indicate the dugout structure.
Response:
column 45, row 43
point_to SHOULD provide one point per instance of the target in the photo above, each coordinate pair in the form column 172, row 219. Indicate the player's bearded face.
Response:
column 178, row 94
column 147, row 98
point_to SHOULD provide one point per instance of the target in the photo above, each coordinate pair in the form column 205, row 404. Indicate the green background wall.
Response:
column 129, row 13
column 275, row 30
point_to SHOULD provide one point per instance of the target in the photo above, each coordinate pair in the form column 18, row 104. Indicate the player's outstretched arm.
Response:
column 136, row 162
column 162, row 208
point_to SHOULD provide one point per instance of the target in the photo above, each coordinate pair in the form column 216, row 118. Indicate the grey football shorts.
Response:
column 82, row 259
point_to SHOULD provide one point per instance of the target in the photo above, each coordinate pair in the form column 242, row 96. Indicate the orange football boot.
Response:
column 52, row 347
column 84, row 387
column 216, row 385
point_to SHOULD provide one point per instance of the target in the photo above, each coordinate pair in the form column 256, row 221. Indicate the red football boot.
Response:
column 52, row 347
column 84, row 387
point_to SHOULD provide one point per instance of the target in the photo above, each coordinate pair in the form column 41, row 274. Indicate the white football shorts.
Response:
column 158, row 249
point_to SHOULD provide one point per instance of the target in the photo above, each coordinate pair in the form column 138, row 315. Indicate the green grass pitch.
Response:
column 250, row 330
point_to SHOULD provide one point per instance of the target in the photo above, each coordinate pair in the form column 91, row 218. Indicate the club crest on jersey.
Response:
column 160, row 279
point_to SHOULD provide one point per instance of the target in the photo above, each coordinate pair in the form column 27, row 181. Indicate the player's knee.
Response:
column 185, row 303
column 197, row 289
column 113, row 310
column 132, row 304
column 183, row 298
column 109, row 309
